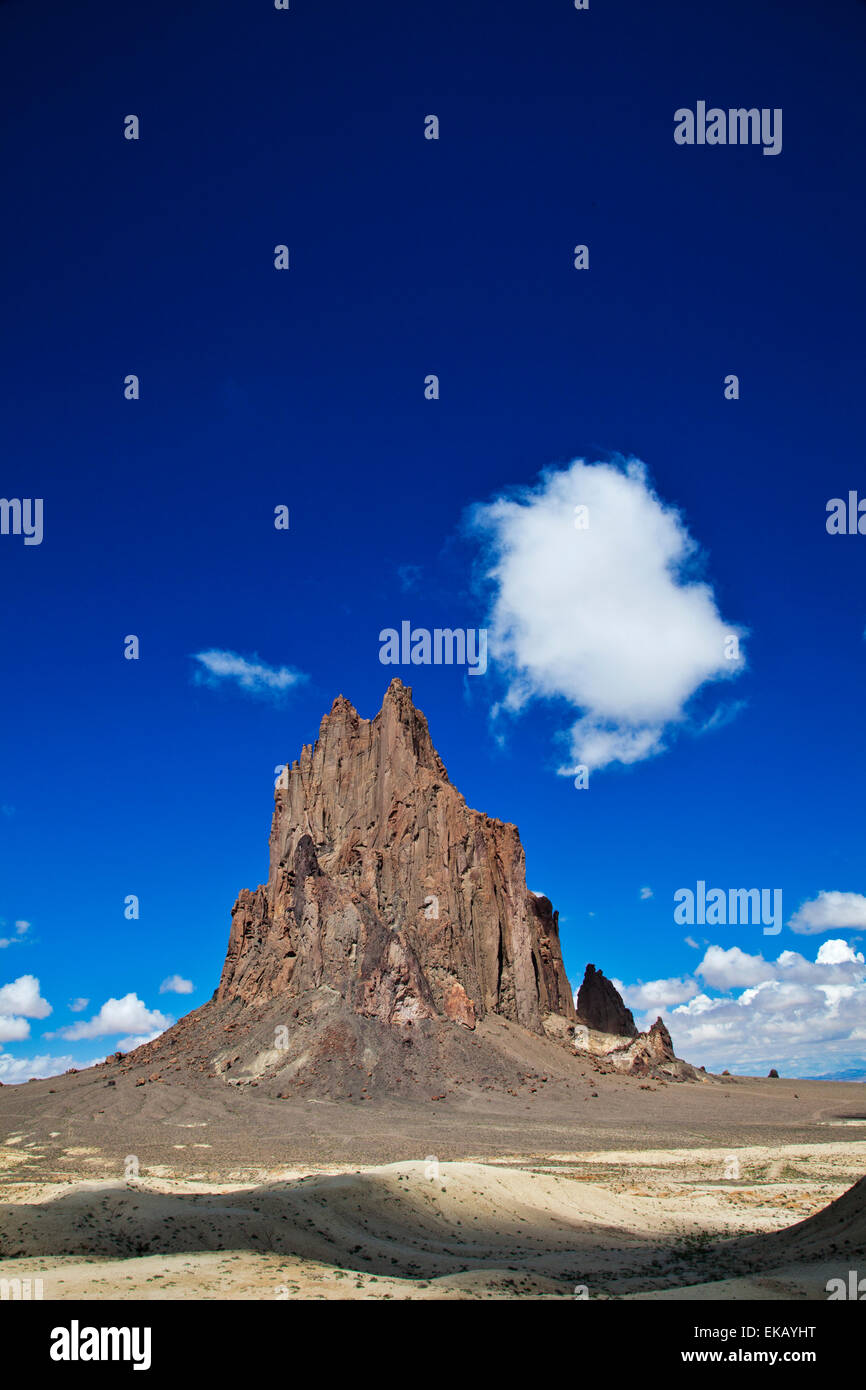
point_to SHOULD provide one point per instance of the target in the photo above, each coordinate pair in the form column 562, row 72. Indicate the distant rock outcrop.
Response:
column 606, row 1029
column 600, row 1006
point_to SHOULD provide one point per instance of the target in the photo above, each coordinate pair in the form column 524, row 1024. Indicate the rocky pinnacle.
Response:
column 385, row 887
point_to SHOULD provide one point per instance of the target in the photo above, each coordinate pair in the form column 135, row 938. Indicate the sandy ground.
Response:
column 658, row 1223
column 573, row 1185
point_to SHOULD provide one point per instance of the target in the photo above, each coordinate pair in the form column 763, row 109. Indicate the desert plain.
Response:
column 582, row 1184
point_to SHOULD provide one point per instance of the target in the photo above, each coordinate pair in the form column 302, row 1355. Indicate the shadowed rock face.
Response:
column 605, row 1028
column 387, row 888
column 600, row 1006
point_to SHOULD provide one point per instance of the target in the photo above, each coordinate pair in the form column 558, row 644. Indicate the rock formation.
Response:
column 605, row 1028
column 394, row 949
column 600, row 1006
column 385, row 887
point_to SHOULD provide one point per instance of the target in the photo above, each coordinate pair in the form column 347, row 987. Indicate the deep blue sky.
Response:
column 306, row 388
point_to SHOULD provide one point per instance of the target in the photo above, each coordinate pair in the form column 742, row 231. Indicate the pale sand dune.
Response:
column 654, row 1224
column 806, row 1283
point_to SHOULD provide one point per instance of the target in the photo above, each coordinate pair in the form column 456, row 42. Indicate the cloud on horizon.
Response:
column 15, row 1070
column 806, row 1017
column 251, row 675
column 613, row 619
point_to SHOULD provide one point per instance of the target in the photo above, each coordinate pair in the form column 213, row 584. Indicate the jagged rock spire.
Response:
column 600, row 1006
column 417, row 906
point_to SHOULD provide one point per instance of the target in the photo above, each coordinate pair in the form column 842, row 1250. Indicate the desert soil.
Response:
column 585, row 1185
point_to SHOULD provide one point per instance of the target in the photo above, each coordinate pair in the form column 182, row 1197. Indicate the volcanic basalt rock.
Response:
column 606, row 1029
column 600, row 1006
column 395, row 950
column 385, row 888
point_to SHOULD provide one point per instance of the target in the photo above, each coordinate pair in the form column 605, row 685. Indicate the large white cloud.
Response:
column 804, row 1017
column 253, row 676
column 733, row 968
column 126, row 1015
column 611, row 618
column 829, row 912
column 22, row 997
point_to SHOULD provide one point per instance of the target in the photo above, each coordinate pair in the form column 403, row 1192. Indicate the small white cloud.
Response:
column 611, row 617
column 690, row 941
column 13, row 1029
column 645, row 893
column 22, row 997
column 829, row 912
column 838, row 953
column 701, row 1004
column 176, row 984
column 723, row 714
column 253, row 676
column 77, row 1006
column 125, row 1015
column 130, row 1044
column 21, row 930
column 409, row 577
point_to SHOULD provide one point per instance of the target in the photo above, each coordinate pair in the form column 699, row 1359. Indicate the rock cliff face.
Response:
column 387, row 889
